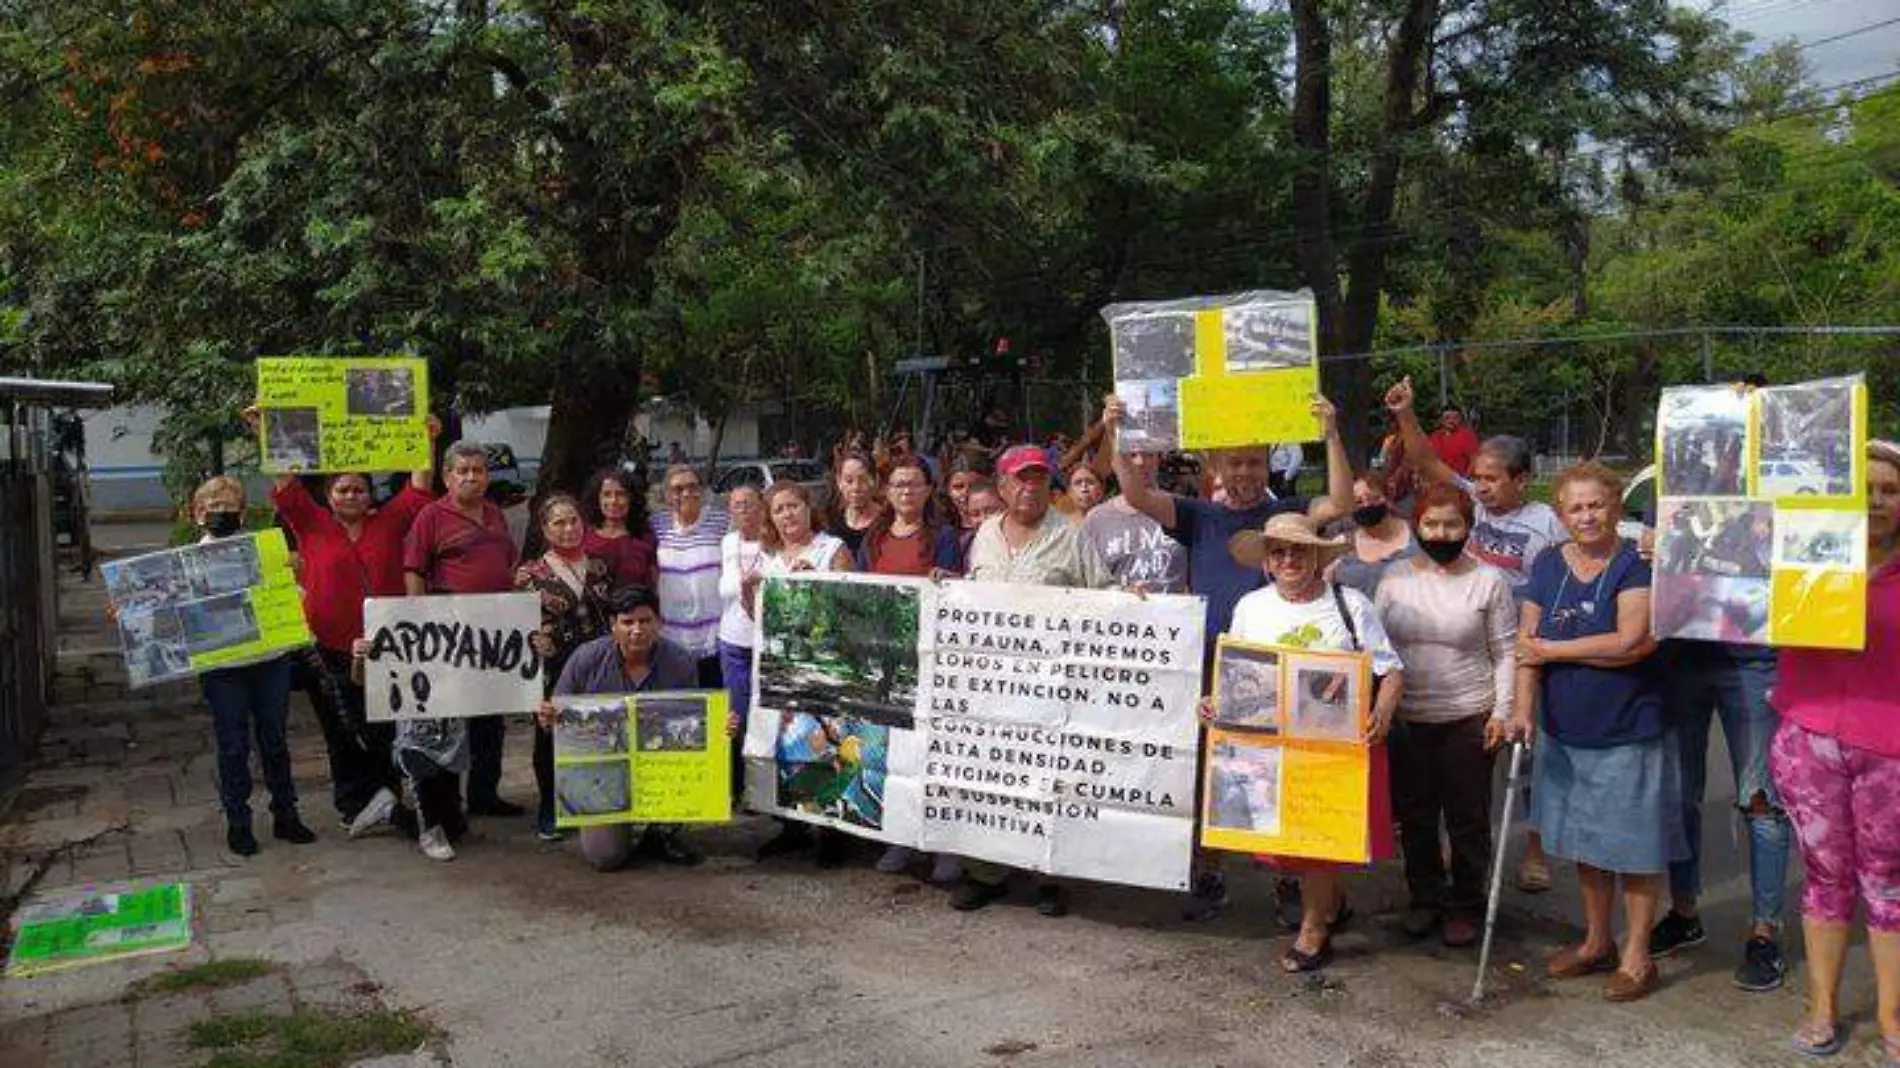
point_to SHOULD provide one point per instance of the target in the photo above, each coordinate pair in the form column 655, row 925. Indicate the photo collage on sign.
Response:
column 1748, row 484
column 1266, row 697
column 340, row 414
column 1153, row 351
column 175, row 604
column 591, row 774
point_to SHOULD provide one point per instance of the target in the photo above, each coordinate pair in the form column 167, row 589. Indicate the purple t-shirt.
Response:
column 1204, row 528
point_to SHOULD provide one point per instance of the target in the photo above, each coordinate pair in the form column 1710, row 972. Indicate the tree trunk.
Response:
column 712, row 454
column 583, row 426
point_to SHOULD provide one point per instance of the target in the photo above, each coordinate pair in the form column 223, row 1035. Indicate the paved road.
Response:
column 526, row 957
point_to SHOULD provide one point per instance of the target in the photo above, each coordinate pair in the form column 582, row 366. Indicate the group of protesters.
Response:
column 1489, row 618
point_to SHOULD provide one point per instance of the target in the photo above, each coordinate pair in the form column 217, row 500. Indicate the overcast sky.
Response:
column 1863, row 55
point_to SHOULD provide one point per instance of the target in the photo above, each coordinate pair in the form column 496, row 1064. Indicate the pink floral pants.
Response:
column 1845, row 806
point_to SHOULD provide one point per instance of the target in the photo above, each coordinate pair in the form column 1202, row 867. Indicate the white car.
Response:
column 1781, row 478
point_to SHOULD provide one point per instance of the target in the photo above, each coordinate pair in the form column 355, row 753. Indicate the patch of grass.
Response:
column 307, row 1039
column 209, row 976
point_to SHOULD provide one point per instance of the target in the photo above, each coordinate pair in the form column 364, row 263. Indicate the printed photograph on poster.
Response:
column 1820, row 539
column 1247, row 689
column 840, row 649
column 1267, row 337
column 590, row 726
column 1153, row 345
column 1704, row 446
column 592, row 789
column 225, row 566
column 1244, row 788
column 1726, row 539
column 1711, row 608
column 154, row 644
column 1152, row 422
column 292, row 438
column 1325, row 700
column 833, row 766
column 671, row 724
column 146, row 581
column 218, row 622
column 384, row 391
column 1807, row 435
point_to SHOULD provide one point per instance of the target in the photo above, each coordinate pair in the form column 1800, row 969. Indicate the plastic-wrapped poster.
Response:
column 1761, row 521
column 322, row 414
column 215, row 604
column 1216, row 372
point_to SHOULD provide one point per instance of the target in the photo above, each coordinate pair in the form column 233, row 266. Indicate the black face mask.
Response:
column 1370, row 515
column 1442, row 553
column 223, row 524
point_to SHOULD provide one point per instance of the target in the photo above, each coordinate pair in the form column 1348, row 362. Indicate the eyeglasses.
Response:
column 1285, row 552
column 685, row 489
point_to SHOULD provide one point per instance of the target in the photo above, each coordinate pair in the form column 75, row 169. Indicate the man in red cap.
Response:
column 1034, row 544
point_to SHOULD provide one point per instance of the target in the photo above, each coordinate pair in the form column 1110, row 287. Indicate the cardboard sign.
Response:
column 441, row 657
column 323, row 414
column 1288, row 769
column 642, row 758
column 1761, row 515
column 216, row 604
column 93, row 926
column 1046, row 728
column 1216, row 372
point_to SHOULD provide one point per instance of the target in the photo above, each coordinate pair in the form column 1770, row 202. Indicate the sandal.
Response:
column 1296, row 960
column 1818, row 1038
column 1570, row 963
column 1533, row 876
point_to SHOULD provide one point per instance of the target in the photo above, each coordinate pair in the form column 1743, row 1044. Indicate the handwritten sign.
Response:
column 216, row 604
column 1288, row 770
column 343, row 414
column 1046, row 728
column 444, row 657
column 1216, row 372
column 99, row 925
column 1761, row 517
column 642, row 758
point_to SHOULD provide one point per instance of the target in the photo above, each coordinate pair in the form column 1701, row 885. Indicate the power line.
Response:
column 1871, row 27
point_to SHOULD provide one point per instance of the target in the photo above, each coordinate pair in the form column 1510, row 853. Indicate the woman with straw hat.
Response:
column 1300, row 608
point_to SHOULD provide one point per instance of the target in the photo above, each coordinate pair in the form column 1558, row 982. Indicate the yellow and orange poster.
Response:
column 1287, row 767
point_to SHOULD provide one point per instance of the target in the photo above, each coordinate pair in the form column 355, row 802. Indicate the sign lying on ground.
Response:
column 215, row 604
column 322, row 414
column 1216, row 372
column 642, row 758
column 1761, row 516
column 442, row 657
column 1044, row 728
column 94, row 926
column 1288, row 770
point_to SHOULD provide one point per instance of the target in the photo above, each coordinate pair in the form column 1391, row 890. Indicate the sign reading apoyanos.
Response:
column 450, row 656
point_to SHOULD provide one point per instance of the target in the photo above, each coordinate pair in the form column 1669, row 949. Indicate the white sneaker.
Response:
column 435, row 845
column 374, row 814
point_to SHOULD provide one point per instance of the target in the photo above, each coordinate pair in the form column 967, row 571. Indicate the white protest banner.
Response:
column 1045, row 728
column 442, row 657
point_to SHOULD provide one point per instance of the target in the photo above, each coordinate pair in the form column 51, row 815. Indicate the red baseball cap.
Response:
column 1019, row 458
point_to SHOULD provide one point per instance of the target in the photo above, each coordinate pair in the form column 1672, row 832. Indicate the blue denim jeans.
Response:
column 735, row 665
column 1698, row 690
column 243, row 700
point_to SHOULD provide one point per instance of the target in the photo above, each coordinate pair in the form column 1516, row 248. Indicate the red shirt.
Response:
column 455, row 554
column 1457, row 448
column 632, row 561
column 339, row 573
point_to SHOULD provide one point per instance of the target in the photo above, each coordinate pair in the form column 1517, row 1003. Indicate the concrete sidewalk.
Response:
column 520, row 955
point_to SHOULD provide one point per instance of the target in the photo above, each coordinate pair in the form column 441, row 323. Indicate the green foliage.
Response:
column 210, row 975
column 307, row 1039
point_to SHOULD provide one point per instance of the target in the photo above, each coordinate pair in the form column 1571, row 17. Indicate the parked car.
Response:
column 760, row 473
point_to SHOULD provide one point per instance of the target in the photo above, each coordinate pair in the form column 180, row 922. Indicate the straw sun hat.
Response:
column 1249, row 547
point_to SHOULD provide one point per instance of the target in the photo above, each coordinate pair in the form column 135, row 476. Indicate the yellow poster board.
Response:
column 323, row 414
column 216, row 604
column 1761, row 517
column 1287, row 769
column 642, row 758
column 1216, row 372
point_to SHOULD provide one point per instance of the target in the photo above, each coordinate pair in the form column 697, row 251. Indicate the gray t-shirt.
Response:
column 1135, row 548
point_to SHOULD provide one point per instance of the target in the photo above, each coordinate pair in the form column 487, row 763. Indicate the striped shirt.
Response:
column 689, row 581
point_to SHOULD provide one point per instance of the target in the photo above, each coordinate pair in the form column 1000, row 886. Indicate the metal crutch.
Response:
column 1512, row 784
